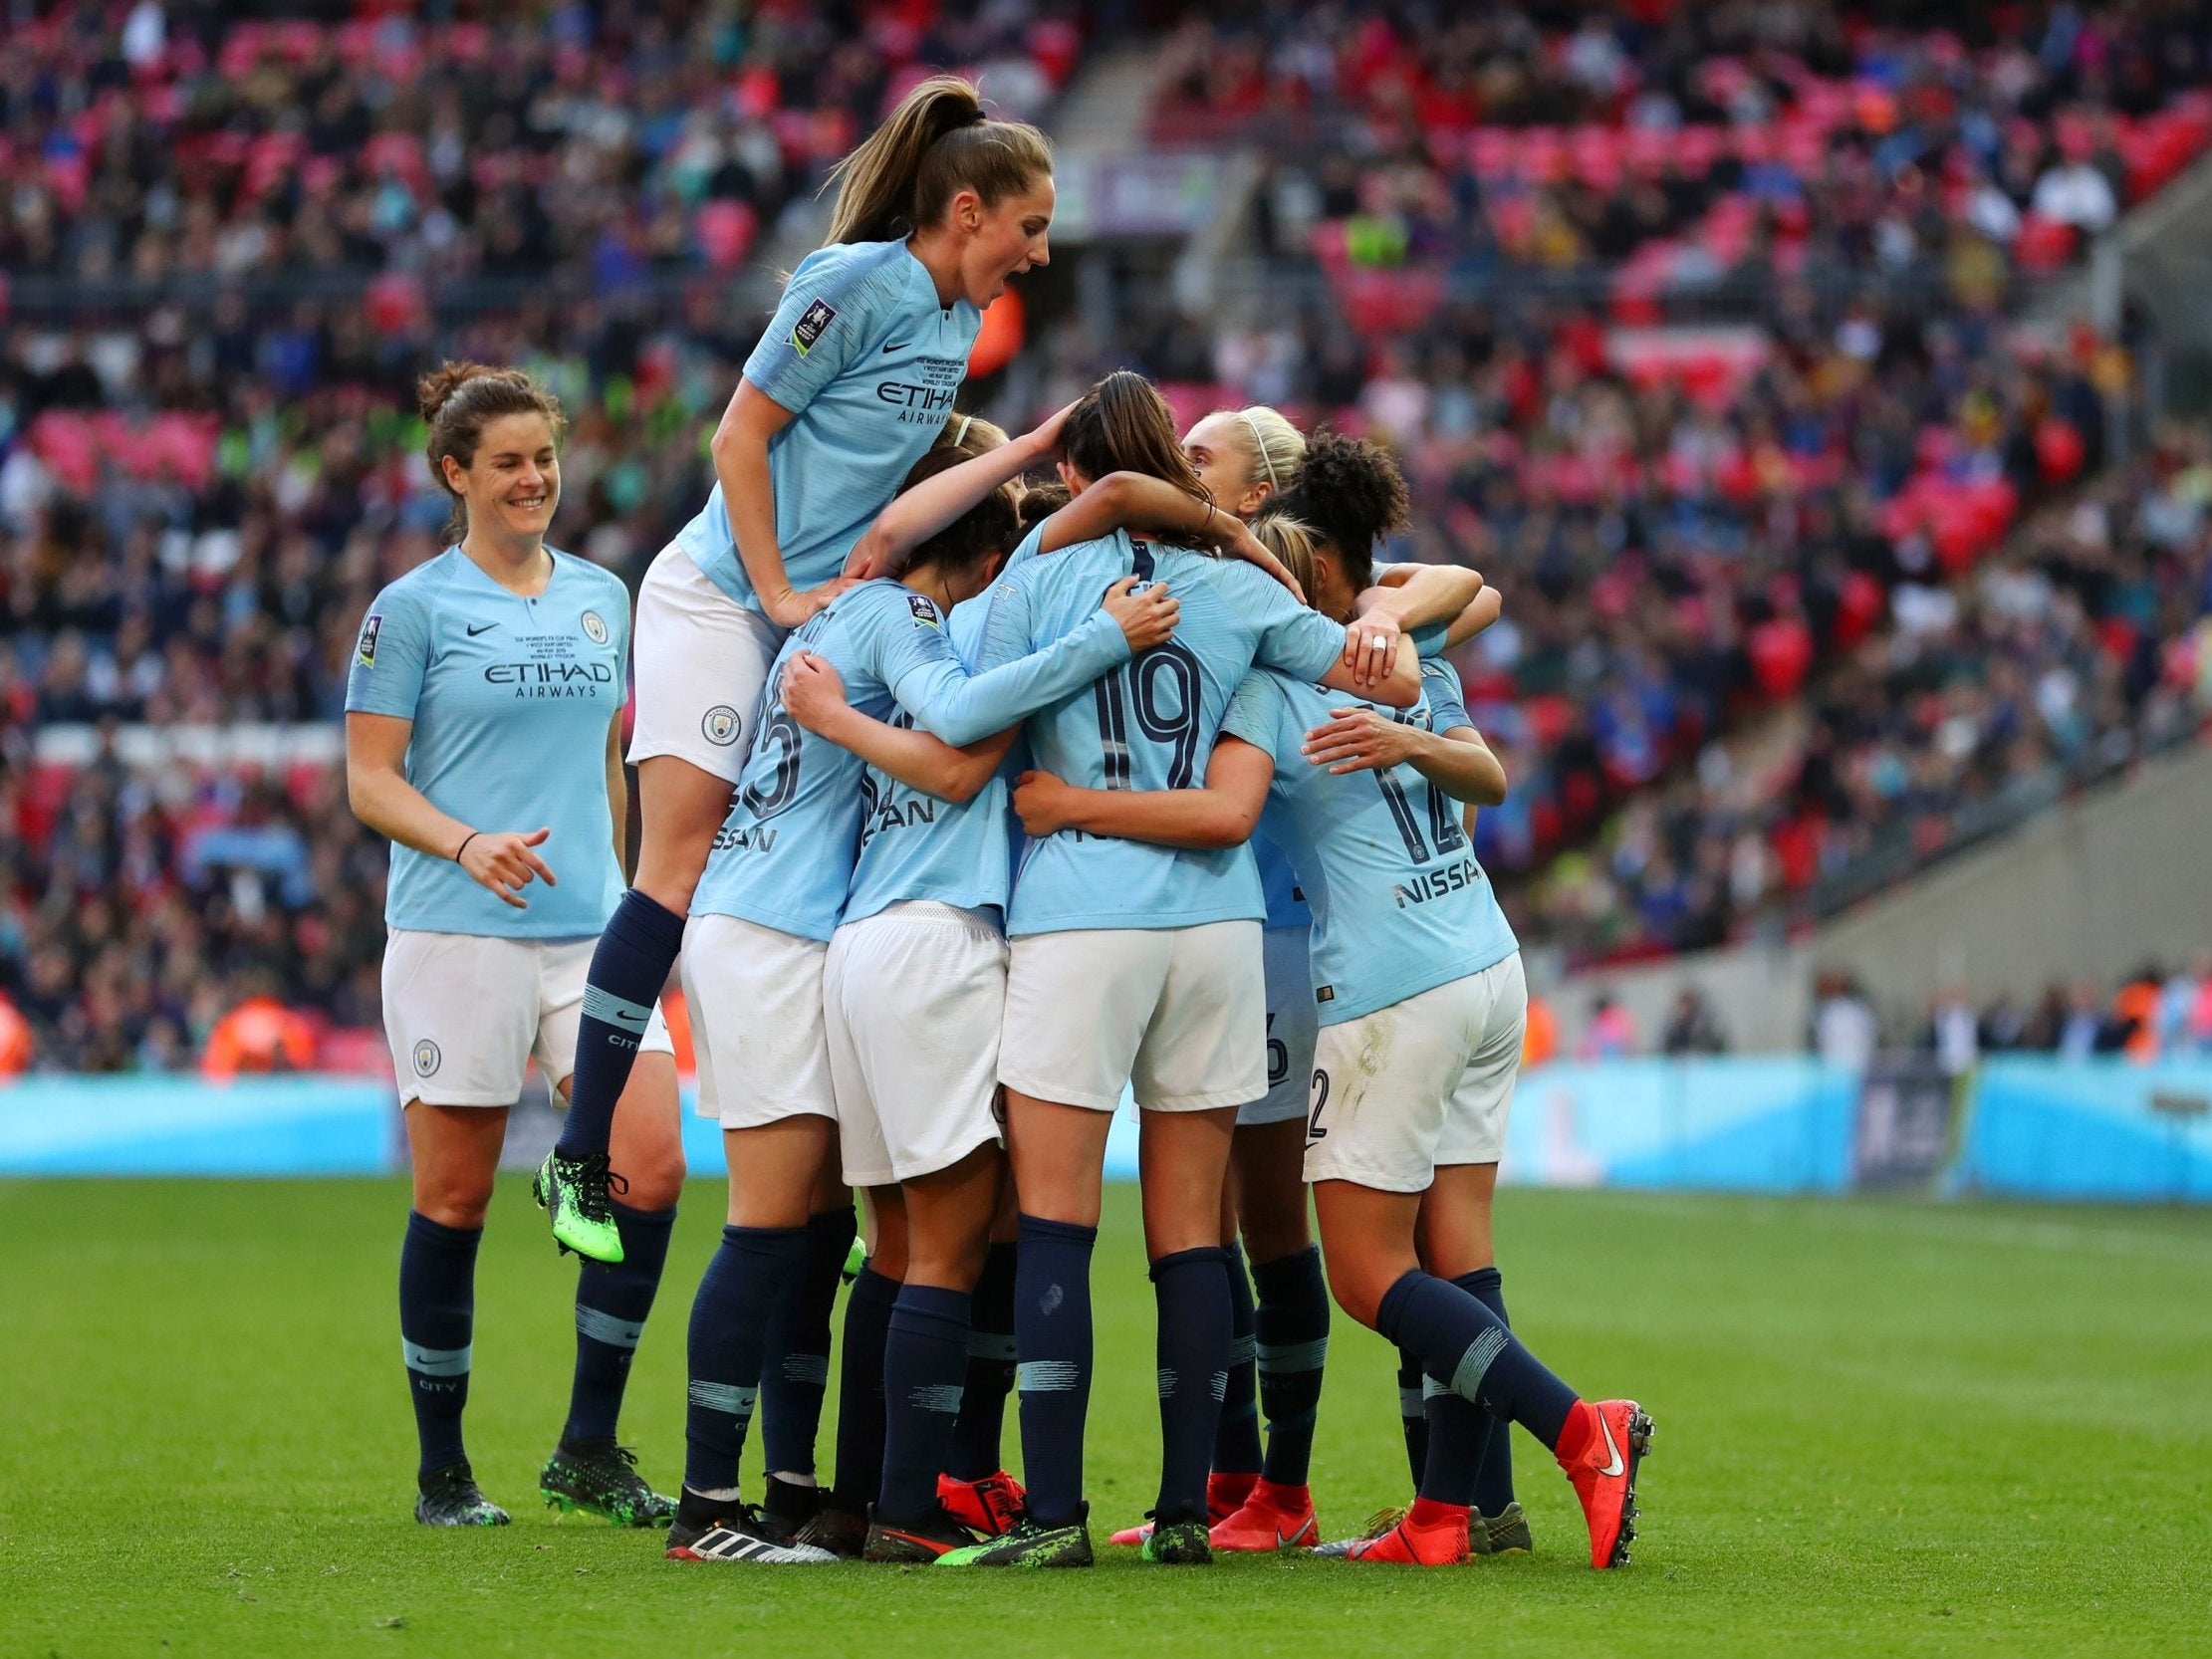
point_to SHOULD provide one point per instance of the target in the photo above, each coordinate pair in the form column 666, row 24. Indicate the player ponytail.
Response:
column 1123, row 424
column 1352, row 495
column 992, row 524
column 1295, row 542
column 1040, row 502
column 936, row 144
column 457, row 400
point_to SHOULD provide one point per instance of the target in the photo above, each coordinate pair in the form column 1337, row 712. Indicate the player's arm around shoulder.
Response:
column 1222, row 813
column 813, row 695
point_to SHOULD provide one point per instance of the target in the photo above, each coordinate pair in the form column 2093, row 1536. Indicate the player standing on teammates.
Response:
column 1255, row 1499
column 851, row 383
column 1133, row 963
column 1418, row 981
column 483, row 736
column 762, row 919
column 914, row 1002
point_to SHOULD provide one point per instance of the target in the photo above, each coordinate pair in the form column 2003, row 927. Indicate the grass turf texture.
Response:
column 1883, row 1427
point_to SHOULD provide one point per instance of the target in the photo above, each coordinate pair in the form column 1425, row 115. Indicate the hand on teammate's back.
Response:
column 502, row 861
column 813, row 692
column 793, row 606
column 1148, row 618
column 1043, row 801
column 1360, row 740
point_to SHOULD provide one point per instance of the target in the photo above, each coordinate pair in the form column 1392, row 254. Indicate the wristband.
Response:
column 463, row 847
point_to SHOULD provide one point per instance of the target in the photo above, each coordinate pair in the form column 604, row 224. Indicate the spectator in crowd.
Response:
column 1610, row 1033
column 2086, row 1031
column 1845, row 1030
column 1693, row 1028
column 1953, row 1032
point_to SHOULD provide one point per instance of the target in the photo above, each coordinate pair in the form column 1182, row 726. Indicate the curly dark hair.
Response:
column 1352, row 495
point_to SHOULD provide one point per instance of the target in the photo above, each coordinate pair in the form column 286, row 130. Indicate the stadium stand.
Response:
column 1888, row 523
column 1701, row 148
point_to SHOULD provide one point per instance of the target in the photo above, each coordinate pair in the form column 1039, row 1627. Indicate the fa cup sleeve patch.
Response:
column 812, row 321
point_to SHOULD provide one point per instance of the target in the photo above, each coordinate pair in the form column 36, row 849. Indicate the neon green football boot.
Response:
column 574, row 1194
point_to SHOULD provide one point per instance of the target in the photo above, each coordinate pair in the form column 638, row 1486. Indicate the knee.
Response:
column 1358, row 1289
column 889, row 1260
column 1269, row 1236
column 951, row 1265
column 453, row 1198
column 657, row 1182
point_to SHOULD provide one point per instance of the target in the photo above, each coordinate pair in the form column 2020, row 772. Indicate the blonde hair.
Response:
column 1295, row 542
column 972, row 435
column 937, row 142
column 1274, row 448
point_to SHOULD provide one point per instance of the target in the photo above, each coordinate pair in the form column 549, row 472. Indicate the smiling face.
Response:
column 513, row 486
column 1221, row 450
column 1001, row 241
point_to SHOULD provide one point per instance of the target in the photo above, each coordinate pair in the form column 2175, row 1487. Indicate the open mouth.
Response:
column 526, row 502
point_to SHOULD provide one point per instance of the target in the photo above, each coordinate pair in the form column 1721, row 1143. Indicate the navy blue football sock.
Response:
column 925, row 1354
column 861, row 1422
column 1236, row 1440
column 438, row 1324
column 627, row 971
column 976, row 1449
column 1458, row 1430
column 1191, row 1288
column 1293, row 1328
column 1462, row 1342
column 1052, row 1334
column 1494, row 1469
column 795, row 1375
column 1412, row 1414
column 737, row 1298
column 611, row 1301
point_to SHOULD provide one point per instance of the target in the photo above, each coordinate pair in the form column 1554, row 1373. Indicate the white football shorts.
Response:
column 1177, row 1013
column 913, row 997
column 1286, row 955
column 755, row 999
column 700, row 660
column 465, row 1013
column 1425, row 1083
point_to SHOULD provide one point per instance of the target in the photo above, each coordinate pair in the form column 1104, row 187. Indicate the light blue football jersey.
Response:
column 1148, row 726
column 784, row 856
column 868, row 361
column 511, row 700
column 1286, row 899
column 1401, row 905
column 914, row 846
column 1279, row 888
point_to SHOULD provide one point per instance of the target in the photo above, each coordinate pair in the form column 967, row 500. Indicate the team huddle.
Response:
column 969, row 805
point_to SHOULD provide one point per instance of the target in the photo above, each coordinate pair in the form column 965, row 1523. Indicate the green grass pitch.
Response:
column 1883, row 1428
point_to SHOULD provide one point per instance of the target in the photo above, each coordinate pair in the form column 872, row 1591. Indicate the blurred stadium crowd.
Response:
column 1782, row 602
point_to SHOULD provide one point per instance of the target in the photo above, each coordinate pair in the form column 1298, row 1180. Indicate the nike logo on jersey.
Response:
column 1617, row 1465
column 475, row 629
column 895, row 345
